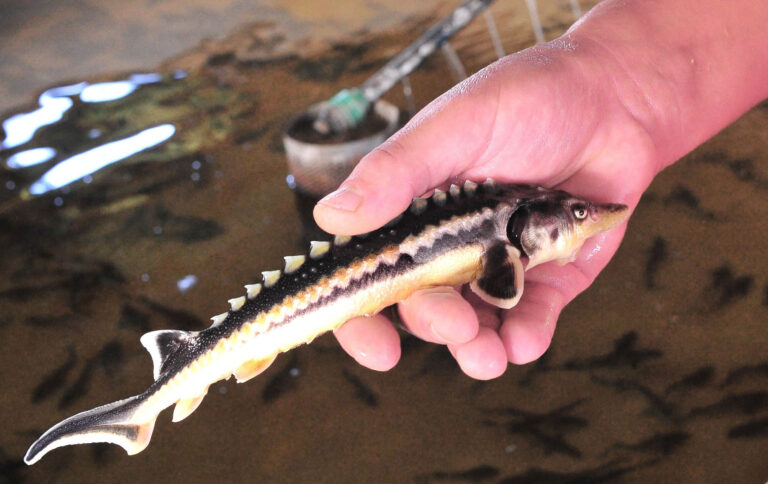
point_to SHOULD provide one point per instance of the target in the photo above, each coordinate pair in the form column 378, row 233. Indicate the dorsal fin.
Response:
column 161, row 344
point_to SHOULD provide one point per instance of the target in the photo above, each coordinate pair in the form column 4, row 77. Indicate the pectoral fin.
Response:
column 501, row 281
column 252, row 368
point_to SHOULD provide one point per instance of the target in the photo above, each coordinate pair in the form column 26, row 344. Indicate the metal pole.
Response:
column 576, row 9
column 533, row 11
column 408, row 92
column 453, row 60
column 497, row 46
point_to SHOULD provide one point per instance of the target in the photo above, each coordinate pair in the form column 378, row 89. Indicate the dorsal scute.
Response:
column 218, row 319
column 318, row 248
column 418, row 205
column 341, row 240
column 271, row 278
column 470, row 187
column 163, row 343
column 439, row 197
column 293, row 262
column 490, row 185
column 236, row 303
column 252, row 290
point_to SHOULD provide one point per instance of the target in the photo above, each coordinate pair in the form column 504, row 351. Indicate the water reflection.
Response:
column 20, row 128
column 80, row 128
column 112, row 91
column 31, row 157
column 90, row 161
column 186, row 283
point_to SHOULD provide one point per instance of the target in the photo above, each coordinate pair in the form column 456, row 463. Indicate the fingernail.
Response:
column 345, row 199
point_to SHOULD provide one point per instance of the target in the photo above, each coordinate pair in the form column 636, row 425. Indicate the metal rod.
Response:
column 409, row 58
column 497, row 45
column 453, row 60
column 348, row 107
column 408, row 92
column 576, row 9
column 533, row 11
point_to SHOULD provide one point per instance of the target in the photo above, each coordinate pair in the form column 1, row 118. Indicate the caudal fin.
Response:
column 112, row 423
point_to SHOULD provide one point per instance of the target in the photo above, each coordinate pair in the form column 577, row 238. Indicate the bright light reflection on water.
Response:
column 107, row 91
column 111, row 91
column 54, row 102
column 185, row 284
column 32, row 157
column 88, row 162
column 20, row 128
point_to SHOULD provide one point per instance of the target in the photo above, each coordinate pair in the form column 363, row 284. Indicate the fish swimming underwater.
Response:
column 477, row 234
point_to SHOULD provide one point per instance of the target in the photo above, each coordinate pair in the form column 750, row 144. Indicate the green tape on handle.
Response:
column 353, row 103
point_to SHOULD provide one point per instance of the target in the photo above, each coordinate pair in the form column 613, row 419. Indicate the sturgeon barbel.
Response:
column 476, row 234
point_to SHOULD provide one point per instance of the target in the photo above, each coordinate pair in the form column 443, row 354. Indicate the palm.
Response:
column 521, row 120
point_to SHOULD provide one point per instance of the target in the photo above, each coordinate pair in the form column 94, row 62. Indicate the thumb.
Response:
column 438, row 144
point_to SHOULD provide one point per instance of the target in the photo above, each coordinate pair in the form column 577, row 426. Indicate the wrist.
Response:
column 683, row 70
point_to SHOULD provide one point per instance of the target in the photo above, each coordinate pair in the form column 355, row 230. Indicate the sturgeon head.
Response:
column 554, row 227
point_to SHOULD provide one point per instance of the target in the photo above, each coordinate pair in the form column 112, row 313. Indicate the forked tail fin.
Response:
column 113, row 423
column 121, row 422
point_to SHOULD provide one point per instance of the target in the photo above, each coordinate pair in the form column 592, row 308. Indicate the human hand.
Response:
column 544, row 116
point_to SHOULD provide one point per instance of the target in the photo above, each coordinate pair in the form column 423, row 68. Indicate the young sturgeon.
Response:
column 475, row 234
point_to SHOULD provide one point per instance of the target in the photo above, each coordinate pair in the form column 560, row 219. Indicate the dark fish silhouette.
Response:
column 546, row 428
column 363, row 392
column 696, row 379
column 625, row 353
column 56, row 379
column 657, row 255
column 757, row 428
column 481, row 473
column 283, row 382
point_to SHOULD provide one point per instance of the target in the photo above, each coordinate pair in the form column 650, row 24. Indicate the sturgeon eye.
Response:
column 579, row 211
